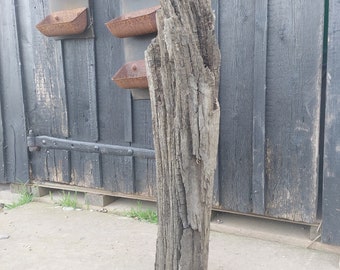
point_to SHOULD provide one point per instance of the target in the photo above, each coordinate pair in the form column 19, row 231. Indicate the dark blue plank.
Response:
column 13, row 110
column 294, row 62
column 331, row 180
column 259, row 106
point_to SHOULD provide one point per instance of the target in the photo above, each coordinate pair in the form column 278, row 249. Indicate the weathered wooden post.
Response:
column 183, row 74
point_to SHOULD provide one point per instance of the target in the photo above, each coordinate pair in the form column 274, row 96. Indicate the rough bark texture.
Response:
column 183, row 74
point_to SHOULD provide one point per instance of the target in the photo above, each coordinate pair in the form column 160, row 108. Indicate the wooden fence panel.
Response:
column 142, row 134
column 270, row 107
column 294, row 61
column 2, row 160
column 46, row 100
column 236, row 36
column 114, row 104
column 259, row 106
column 13, row 110
column 80, row 77
column 269, row 93
column 331, row 180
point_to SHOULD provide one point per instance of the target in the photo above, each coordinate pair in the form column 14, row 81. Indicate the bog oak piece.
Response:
column 183, row 74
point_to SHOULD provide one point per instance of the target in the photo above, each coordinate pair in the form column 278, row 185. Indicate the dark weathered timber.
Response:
column 142, row 124
column 47, row 103
column 295, row 36
column 145, row 177
column 331, row 181
column 259, row 106
column 46, row 95
column 237, row 27
column 79, row 65
column 128, row 127
column 291, row 68
column 114, row 104
column 13, row 109
column 57, row 165
column 118, row 174
column 2, row 166
column 183, row 74
column 80, row 80
column 112, row 101
column 216, row 190
column 145, row 182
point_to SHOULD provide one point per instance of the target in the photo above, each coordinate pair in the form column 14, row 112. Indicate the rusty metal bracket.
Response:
column 35, row 143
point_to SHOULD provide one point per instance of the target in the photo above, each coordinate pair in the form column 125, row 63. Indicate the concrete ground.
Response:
column 43, row 235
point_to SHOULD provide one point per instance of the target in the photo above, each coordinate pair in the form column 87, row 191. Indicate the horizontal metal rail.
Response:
column 34, row 143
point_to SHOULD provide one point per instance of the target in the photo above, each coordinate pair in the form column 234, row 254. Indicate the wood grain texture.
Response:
column 114, row 104
column 142, row 124
column 13, row 109
column 237, row 20
column 295, row 33
column 331, row 183
column 80, row 80
column 145, row 177
column 259, row 107
column 2, row 160
column 145, row 170
column 216, row 191
column 118, row 174
column 46, row 95
column 51, row 165
column 183, row 74
column 269, row 95
column 47, row 104
column 109, row 53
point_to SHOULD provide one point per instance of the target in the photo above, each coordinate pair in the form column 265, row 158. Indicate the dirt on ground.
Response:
column 47, row 236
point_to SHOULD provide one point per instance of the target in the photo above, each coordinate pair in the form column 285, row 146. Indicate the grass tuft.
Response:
column 147, row 215
column 25, row 197
column 69, row 201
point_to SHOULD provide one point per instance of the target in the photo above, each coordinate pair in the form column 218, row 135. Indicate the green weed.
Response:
column 25, row 197
column 147, row 215
column 68, row 200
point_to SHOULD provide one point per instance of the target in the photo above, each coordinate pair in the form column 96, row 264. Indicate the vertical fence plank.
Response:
column 142, row 134
column 259, row 106
column 114, row 104
column 47, row 110
column 134, row 48
column 295, row 35
column 79, row 66
column 46, row 98
column 236, row 92
column 216, row 190
column 128, row 127
column 2, row 161
column 80, row 78
column 112, row 101
column 13, row 112
column 331, row 180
